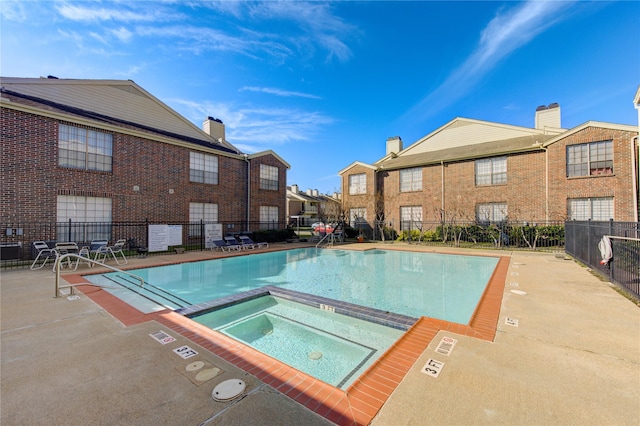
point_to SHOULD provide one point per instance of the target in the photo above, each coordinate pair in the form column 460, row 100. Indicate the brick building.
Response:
column 483, row 172
column 108, row 151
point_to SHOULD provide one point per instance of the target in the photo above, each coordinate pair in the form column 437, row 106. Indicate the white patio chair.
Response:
column 44, row 254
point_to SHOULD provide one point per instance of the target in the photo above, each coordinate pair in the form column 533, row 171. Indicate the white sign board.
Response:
column 212, row 232
column 163, row 236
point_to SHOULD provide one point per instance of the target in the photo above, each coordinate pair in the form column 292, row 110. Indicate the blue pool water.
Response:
column 329, row 346
column 446, row 287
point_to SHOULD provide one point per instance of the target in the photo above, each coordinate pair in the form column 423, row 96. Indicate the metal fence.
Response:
column 582, row 240
column 511, row 235
column 16, row 239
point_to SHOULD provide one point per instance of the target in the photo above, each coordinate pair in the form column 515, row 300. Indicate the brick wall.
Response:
column 31, row 178
column 618, row 185
column 452, row 186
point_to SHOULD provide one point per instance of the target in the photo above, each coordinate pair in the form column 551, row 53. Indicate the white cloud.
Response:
column 86, row 13
column 279, row 92
column 256, row 129
column 506, row 32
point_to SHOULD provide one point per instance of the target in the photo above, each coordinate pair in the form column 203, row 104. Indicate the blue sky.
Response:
column 324, row 84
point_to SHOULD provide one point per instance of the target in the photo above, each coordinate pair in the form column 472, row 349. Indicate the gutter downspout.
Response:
column 635, row 157
column 246, row 159
column 442, row 190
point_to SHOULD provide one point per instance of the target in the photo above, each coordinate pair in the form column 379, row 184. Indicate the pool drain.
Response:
column 228, row 390
column 315, row 355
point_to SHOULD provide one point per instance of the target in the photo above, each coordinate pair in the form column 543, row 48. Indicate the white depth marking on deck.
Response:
column 185, row 352
column 518, row 292
column 162, row 337
column 446, row 345
column 432, row 368
column 74, row 297
column 515, row 274
column 511, row 321
column 514, row 284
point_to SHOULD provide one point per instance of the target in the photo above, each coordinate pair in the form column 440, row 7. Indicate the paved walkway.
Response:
column 574, row 358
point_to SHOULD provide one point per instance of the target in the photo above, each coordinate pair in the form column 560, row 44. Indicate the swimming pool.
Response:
column 329, row 346
column 414, row 284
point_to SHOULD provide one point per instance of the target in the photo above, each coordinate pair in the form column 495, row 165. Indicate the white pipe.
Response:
column 442, row 190
column 635, row 154
column 246, row 159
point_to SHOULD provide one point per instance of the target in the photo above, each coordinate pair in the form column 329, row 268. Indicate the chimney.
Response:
column 215, row 128
column 315, row 192
column 548, row 116
column 394, row 145
column 309, row 192
column 294, row 189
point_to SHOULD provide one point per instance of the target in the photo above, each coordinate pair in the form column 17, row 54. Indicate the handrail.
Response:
column 324, row 238
column 56, row 269
column 623, row 238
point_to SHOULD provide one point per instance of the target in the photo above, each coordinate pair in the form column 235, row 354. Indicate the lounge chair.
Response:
column 116, row 249
column 248, row 242
column 98, row 249
column 65, row 248
column 44, row 254
column 222, row 246
column 233, row 243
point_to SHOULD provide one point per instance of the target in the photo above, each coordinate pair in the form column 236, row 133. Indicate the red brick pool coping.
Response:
column 359, row 404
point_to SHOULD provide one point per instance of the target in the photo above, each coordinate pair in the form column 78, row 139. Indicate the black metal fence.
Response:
column 16, row 239
column 504, row 235
column 582, row 240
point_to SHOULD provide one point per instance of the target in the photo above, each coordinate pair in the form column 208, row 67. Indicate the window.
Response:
column 84, row 149
column 590, row 159
column 410, row 218
column 491, row 171
column 205, row 212
column 492, row 212
column 268, row 177
column 203, row 168
column 411, row 179
column 590, row 208
column 358, row 184
column 357, row 217
column 268, row 217
column 82, row 219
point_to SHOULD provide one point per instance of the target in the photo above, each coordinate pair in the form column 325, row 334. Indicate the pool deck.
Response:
column 566, row 352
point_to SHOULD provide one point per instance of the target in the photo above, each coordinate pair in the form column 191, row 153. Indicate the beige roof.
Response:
column 103, row 100
column 466, row 132
column 487, row 149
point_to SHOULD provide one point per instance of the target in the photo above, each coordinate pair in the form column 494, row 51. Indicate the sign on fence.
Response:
column 163, row 236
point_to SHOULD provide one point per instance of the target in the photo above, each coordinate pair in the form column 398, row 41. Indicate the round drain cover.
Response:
column 227, row 390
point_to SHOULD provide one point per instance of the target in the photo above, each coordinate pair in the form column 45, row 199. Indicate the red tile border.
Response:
column 360, row 403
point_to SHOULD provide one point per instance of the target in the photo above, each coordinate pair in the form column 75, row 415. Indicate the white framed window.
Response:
column 84, row 149
column 597, row 208
column 411, row 179
column 491, row 171
column 82, row 219
column 203, row 168
column 410, row 218
column 357, row 216
column 269, row 177
column 491, row 212
column 201, row 213
column 590, row 159
column 269, row 217
column 358, row 184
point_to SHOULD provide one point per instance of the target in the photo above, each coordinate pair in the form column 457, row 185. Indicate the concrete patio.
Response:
column 573, row 358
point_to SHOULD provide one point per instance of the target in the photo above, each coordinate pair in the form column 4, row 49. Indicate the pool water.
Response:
column 442, row 286
column 331, row 347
